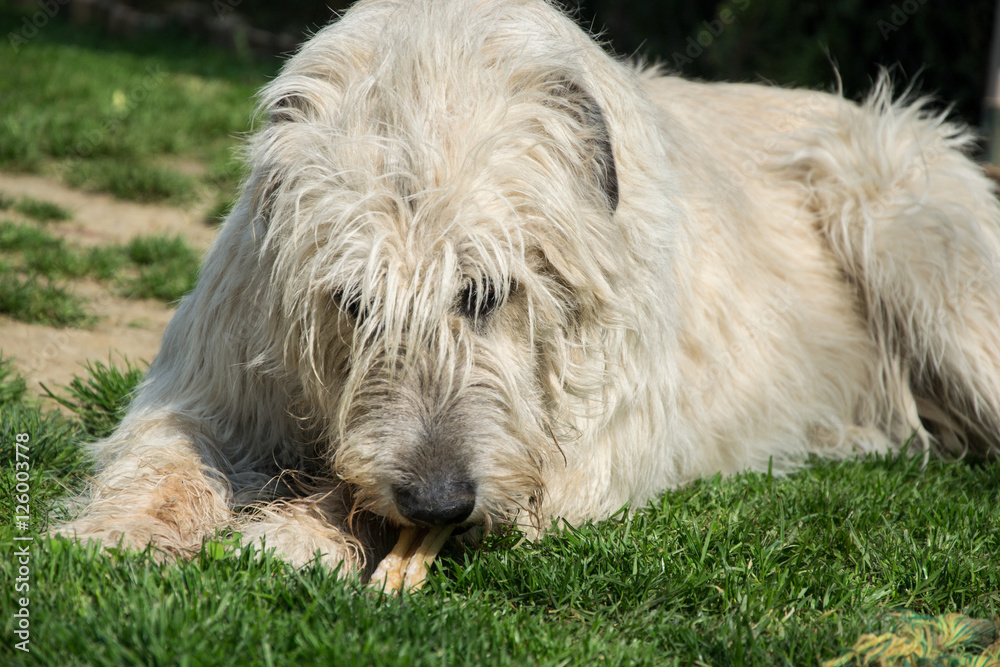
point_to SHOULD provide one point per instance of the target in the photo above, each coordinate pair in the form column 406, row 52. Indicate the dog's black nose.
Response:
column 442, row 501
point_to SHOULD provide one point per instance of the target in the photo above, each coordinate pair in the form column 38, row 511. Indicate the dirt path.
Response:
column 126, row 327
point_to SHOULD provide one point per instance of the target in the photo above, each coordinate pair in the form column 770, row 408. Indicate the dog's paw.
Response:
column 301, row 535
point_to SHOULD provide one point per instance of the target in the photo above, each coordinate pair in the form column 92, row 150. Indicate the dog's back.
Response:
column 868, row 248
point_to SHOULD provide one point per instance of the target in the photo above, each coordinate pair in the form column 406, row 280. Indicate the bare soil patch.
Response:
column 126, row 328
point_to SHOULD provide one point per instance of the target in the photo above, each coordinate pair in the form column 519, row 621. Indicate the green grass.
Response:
column 40, row 301
column 41, row 211
column 167, row 268
column 44, row 255
column 12, row 386
column 219, row 210
column 139, row 182
column 103, row 111
column 37, row 267
column 749, row 570
column 98, row 398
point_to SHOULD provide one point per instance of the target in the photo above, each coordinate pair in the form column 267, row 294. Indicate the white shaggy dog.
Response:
column 483, row 273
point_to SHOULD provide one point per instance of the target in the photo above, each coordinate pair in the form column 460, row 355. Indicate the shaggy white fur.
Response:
column 482, row 272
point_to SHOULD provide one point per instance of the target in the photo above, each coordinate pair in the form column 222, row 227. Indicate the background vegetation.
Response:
column 154, row 117
column 800, row 42
column 944, row 47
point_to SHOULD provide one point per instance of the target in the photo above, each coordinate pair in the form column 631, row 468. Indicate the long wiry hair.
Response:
column 922, row 306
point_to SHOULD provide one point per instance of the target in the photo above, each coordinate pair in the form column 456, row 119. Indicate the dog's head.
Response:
column 435, row 192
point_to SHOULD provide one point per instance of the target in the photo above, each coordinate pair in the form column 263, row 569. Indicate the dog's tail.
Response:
column 915, row 225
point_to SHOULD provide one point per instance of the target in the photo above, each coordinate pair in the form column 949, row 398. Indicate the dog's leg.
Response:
column 153, row 488
column 916, row 226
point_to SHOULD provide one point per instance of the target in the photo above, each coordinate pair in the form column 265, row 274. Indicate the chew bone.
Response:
column 405, row 568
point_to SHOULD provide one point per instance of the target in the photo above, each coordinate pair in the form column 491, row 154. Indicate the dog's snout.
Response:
column 437, row 501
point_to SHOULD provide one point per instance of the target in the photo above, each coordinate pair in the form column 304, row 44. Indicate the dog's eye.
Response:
column 349, row 303
column 478, row 300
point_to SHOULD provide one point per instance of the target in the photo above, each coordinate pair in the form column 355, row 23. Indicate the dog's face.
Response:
column 430, row 233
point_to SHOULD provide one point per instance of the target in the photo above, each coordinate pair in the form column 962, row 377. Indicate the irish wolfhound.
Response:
column 483, row 273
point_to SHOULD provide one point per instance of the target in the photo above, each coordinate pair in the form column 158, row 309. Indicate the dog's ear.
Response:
column 598, row 152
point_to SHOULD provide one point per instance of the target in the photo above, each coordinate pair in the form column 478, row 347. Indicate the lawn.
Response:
column 149, row 119
column 747, row 570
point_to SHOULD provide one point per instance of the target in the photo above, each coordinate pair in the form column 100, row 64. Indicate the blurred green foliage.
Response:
column 943, row 46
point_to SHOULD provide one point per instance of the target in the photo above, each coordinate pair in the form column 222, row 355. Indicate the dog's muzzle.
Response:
column 443, row 499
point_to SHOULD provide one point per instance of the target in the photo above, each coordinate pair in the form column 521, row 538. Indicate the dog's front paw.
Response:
column 300, row 534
